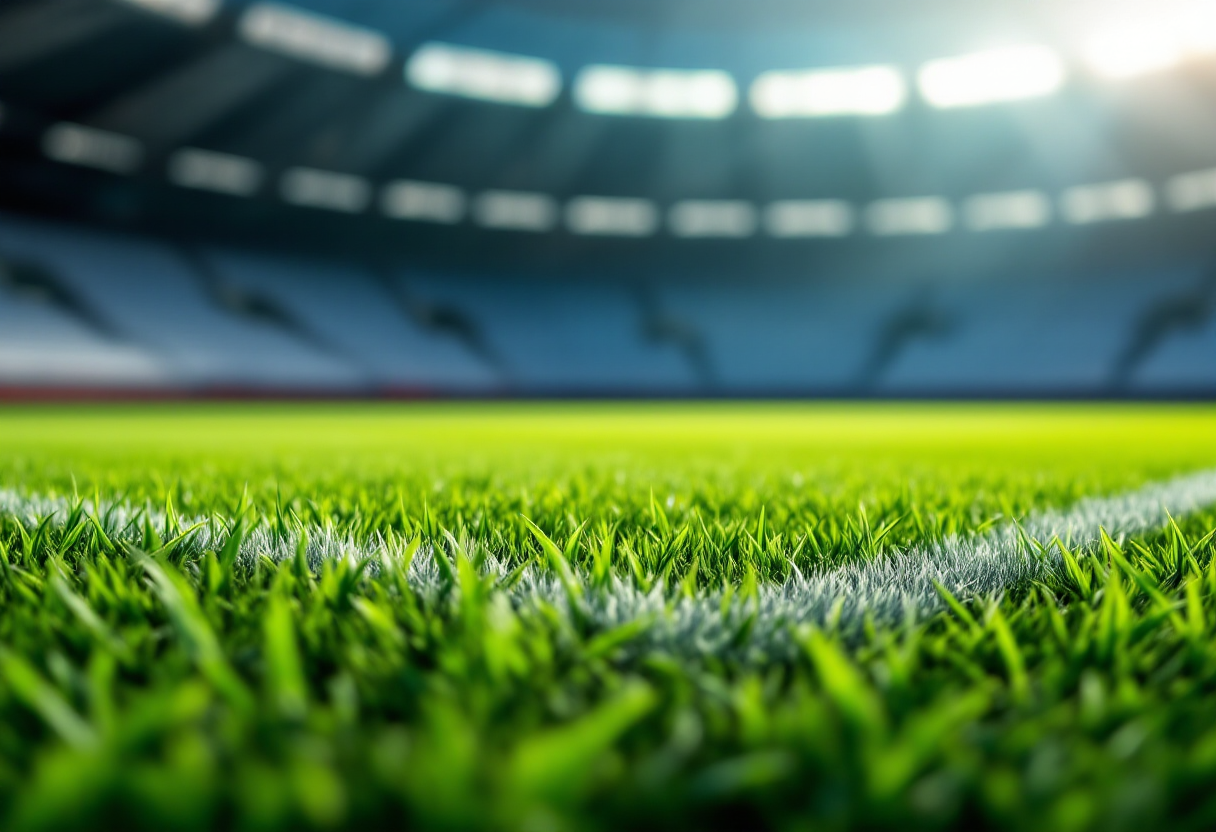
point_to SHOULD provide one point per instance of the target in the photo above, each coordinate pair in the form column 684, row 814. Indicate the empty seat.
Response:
column 350, row 314
column 147, row 292
column 553, row 336
column 782, row 336
column 41, row 345
column 1057, row 334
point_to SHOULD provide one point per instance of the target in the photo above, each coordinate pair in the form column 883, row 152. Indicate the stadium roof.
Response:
column 819, row 120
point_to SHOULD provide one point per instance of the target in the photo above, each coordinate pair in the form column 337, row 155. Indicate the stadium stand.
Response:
column 525, row 197
column 96, row 309
column 1067, row 333
column 150, row 300
column 562, row 336
column 352, row 316
column 43, row 343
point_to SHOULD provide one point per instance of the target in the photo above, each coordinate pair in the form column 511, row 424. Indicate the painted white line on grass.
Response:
column 888, row 589
column 891, row 588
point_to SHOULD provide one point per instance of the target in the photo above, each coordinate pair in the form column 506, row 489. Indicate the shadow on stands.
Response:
column 34, row 282
column 921, row 319
column 1188, row 311
column 261, row 309
column 662, row 328
column 447, row 321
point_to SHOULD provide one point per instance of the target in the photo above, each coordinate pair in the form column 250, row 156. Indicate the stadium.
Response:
column 600, row 414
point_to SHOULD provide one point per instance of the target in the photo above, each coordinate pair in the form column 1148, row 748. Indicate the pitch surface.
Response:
column 607, row 616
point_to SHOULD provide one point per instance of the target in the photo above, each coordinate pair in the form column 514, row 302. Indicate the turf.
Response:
column 152, row 677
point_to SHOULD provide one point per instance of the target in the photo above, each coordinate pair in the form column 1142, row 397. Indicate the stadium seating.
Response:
column 550, row 336
column 92, row 308
column 780, row 337
column 148, row 296
column 355, row 318
column 500, row 198
column 42, row 346
column 1062, row 334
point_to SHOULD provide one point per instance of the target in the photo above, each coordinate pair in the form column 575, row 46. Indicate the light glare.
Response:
column 189, row 12
column 910, row 216
column 661, row 93
column 712, row 218
column 1192, row 191
column 1010, row 210
column 1133, row 51
column 89, row 147
column 863, row 91
column 485, row 75
column 207, row 170
column 312, row 188
column 1197, row 28
column 423, row 201
column 1007, row 74
column 612, row 216
column 315, row 38
column 515, row 211
column 808, row 218
column 1126, row 199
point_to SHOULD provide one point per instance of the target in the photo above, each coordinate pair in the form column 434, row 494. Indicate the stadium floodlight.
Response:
column 89, row 147
column 1191, row 191
column 189, row 12
column 1007, row 74
column 808, row 218
column 1197, row 28
column 423, row 202
column 659, row 93
column 1126, row 199
column 515, row 211
column 612, row 216
column 910, row 216
column 856, row 91
column 712, row 218
column 484, row 75
column 315, row 38
column 1009, row 210
column 1134, row 50
column 326, row 189
column 207, row 170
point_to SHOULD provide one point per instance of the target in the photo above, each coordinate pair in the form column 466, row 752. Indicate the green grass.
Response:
column 151, row 682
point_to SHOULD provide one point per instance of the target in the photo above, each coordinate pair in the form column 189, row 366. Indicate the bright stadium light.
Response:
column 515, row 211
column 312, row 37
column 1136, row 50
column 1126, row 199
column 189, row 12
column 712, row 218
column 808, row 218
column 1010, row 210
column 1197, row 28
column 331, row 191
column 485, row 75
column 660, row 93
column 612, row 216
column 910, row 216
column 1007, row 74
column 857, row 91
column 1191, row 191
column 207, row 170
column 423, row 202
column 89, row 147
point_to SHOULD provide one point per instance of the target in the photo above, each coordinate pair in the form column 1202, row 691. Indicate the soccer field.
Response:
column 590, row 616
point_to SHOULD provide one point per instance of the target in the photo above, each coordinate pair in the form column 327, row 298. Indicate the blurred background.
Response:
column 848, row 198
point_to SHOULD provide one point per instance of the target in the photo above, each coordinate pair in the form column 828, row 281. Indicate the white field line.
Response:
column 890, row 588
